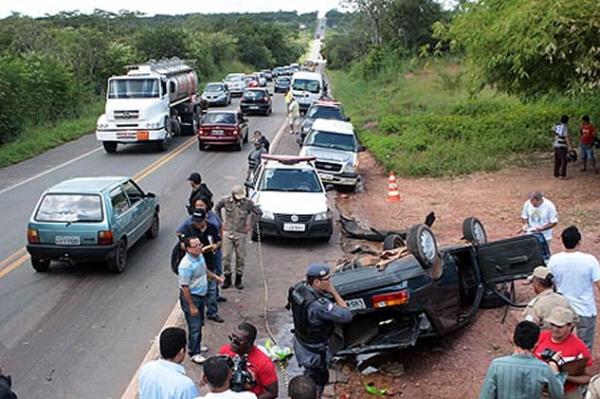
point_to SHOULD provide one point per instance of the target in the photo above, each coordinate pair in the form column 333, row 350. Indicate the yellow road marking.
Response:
column 4, row 269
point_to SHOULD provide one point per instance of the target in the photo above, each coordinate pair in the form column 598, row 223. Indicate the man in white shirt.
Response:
column 539, row 215
column 575, row 275
column 165, row 378
column 217, row 375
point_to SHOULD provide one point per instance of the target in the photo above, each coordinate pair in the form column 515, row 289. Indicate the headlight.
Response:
column 101, row 126
column 349, row 168
column 268, row 215
column 323, row 215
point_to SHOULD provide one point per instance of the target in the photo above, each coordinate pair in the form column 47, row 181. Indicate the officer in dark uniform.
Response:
column 316, row 306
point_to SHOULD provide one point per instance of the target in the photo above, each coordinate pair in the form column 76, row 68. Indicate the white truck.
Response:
column 150, row 104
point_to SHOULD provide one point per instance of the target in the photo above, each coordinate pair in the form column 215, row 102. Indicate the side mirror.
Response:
column 249, row 185
column 150, row 195
column 361, row 148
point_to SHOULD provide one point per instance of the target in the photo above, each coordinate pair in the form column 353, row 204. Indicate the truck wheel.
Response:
column 110, row 146
column 40, row 265
column 421, row 242
column 392, row 241
column 473, row 231
column 175, row 127
column 118, row 262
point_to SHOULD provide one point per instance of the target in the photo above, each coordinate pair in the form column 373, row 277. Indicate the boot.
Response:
column 227, row 282
column 238, row 282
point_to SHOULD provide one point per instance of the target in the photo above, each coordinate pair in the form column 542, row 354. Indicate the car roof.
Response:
column 255, row 89
column 307, row 75
column 332, row 125
column 327, row 103
column 288, row 162
column 87, row 184
column 215, row 83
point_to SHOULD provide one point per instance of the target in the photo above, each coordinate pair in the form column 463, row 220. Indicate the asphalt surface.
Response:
column 80, row 331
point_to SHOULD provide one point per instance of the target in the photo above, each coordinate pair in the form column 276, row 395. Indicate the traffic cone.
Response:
column 393, row 193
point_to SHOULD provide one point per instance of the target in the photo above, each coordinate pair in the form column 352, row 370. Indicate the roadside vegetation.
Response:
column 450, row 93
column 53, row 70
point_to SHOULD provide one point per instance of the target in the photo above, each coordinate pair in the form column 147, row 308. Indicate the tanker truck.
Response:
column 150, row 104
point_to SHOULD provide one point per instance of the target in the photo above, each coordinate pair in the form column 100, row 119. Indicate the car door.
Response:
column 141, row 214
column 121, row 217
column 510, row 259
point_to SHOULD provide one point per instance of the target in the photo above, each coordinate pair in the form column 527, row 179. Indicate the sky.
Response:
column 38, row 8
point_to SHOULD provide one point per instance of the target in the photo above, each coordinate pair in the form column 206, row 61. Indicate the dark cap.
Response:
column 195, row 177
column 199, row 215
column 317, row 270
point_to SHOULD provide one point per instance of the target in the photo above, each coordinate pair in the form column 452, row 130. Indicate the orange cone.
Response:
column 393, row 193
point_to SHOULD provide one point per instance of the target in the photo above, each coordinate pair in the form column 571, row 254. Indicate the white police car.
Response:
column 292, row 198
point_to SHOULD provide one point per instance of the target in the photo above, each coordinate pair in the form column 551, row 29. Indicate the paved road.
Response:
column 79, row 331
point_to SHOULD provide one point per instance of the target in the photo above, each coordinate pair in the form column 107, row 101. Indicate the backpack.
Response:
column 176, row 255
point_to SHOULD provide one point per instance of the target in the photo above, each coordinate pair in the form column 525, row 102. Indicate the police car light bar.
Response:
column 287, row 159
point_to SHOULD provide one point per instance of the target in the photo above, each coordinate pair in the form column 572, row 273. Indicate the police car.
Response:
column 292, row 198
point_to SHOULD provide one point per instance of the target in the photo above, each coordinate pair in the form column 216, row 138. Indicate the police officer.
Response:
column 316, row 306
column 539, row 308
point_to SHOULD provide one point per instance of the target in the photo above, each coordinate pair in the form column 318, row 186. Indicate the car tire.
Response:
column 240, row 144
column 421, row 242
column 393, row 241
column 473, row 231
column 254, row 236
column 201, row 147
column 110, row 146
column 152, row 232
column 40, row 265
column 118, row 262
column 246, row 137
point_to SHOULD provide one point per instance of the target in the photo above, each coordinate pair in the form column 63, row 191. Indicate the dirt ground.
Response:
column 455, row 366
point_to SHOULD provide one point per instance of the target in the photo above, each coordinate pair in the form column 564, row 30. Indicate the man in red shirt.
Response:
column 586, row 142
column 259, row 364
column 560, row 339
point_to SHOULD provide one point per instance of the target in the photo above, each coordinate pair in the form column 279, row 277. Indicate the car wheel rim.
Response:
column 478, row 233
column 427, row 244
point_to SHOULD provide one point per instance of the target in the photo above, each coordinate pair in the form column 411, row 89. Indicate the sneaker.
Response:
column 203, row 348
column 198, row 359
column 216, row 318
column 221, row 299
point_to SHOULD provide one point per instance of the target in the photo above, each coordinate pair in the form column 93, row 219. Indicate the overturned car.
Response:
column 416, row 290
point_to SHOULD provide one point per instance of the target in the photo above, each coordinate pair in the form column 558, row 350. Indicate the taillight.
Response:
column 266, row 99
column 390, row 299
column 32, row 236
column 105, row 237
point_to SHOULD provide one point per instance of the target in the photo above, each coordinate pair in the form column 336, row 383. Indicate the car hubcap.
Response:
column 478, row 233
column 427, row 244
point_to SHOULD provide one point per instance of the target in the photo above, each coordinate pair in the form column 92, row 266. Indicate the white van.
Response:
column 307, row 87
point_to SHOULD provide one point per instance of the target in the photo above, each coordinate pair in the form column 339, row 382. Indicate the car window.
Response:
column 214, row 87
column 290, row 180
column 134, row 193
column 70, row 208
column 225, row 118
column 312, row 86
column 326, row 113
column 119, row 202
column 254, row 94
column 344, row 142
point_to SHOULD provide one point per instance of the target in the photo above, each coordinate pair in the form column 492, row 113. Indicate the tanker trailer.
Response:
column 150, row 104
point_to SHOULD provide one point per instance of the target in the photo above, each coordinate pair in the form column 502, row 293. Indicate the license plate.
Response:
column 217, row 132
column 67, row 240
column 326, row 176
column 294, row 227
column 355, row 304
column 253, row 107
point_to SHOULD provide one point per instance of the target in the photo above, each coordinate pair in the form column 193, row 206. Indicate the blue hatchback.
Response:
column 91, row 218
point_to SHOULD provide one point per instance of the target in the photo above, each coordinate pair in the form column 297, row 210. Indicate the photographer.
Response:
column 561, row 345
column 217, row 374
column 265, row 384
column 521, row 375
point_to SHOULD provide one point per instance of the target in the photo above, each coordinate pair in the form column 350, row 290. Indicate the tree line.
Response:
column 51, row 67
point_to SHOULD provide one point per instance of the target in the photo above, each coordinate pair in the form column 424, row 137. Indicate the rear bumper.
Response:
column 131, row 135
column 218, row 140
column 314, row 229
column 281, row 89
column 80, row 252
column 220, row 101
column 249, row 108
column 341, row 179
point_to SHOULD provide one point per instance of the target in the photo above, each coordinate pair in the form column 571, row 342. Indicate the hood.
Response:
column 297, row 203
column 329, row 154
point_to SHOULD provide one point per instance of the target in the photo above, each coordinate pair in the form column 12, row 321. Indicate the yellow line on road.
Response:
column 6, row 267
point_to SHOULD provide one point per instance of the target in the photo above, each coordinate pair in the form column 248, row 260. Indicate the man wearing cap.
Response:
column 316, row 307
column 539, row 308
column 539, row 216
column 198, row 189
column 560, row 339
column 238, row 214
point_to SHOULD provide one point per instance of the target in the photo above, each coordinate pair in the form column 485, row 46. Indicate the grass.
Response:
column 422, row 120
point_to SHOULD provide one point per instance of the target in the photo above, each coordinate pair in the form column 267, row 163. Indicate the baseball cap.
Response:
column 317, row 270
column 195, row 177
column 199, row 215
column 561, row 316
column 541, row 272
column 238, row 192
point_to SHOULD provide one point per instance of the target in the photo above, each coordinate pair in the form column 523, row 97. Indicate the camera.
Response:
column 241, row 378
column 550, row 355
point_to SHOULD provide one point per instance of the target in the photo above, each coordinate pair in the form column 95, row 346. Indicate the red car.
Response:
column 228, row 127
column 251, row 81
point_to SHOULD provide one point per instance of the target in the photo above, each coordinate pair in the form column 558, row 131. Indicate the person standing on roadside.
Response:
column 238, row 214
column 539, row 215
column 562, row 144
column 586, row 142
column 294, row 115
column 198, row 188
column 255, row 157
column 257, row 135
column 165, row 378
column 521, row 375
column 193, row 282
column 575, row 274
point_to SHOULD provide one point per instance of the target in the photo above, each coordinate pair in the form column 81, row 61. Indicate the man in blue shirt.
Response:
column 521, row 375
column 165, row 378
column 193, row 282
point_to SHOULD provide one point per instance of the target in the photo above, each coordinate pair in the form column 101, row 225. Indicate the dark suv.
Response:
column 256, row 101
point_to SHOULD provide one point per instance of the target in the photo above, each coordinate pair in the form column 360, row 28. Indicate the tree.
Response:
column 375, row 10
column 408, row 23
